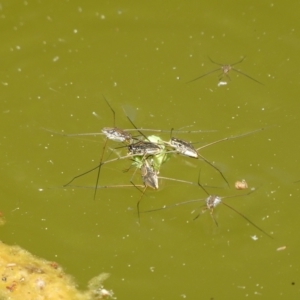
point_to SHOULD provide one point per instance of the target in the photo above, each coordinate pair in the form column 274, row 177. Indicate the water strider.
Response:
column 211, row 202
column 181, row 146
column 225, row 71
column 187, row 149
column 150, row 179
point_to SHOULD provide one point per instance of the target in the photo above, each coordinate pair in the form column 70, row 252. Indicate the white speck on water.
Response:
column 220, row 83
column 152, row 269
column 55, row 59
column 254, row 238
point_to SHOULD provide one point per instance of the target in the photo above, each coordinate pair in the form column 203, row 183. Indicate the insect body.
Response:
column 183, row 147
column 117, row 135
column 144, row 148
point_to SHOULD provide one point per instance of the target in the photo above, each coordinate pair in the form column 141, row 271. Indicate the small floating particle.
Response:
column 241, row 185
column 106, row 294
column 220, row 83
column 254, row 238
column 281, row 248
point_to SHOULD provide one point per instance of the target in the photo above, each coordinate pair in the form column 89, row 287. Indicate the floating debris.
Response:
column 281, row 248
column 220, row 83
column 241, row 185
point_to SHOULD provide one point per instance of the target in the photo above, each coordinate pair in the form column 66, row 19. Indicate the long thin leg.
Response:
column 248, row 220
column 230, row 138
column 225, row 74
column 99, row 169
column 144, row 129
column 114, row 114
column 138, row 204
column 137, row 129
column 204, row 209
column 218, row 170
column 236, row 70
column 219, row 64
column 216, row 63
column 222, row 140
column 82, row 174
column 108, row 186
column 98, row 166
column 203, row 75
column 213, row 217
column 131, row 180
column 199, row 184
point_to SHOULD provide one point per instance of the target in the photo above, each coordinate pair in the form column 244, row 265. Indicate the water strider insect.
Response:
column 143, row 148
column 187, row 149
column 211, row 202
column 138, row 151
column 181, row 146
column 150, row 179
column 225, row 71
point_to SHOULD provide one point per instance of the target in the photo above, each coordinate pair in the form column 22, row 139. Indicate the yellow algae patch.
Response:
column 26, row 277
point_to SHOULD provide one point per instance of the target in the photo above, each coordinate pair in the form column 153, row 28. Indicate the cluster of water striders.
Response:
column 149, row 153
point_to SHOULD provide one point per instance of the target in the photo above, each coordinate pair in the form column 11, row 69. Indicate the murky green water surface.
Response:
column 59, row 58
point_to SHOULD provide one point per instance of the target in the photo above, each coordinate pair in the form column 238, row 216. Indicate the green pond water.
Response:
column 58, row 60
